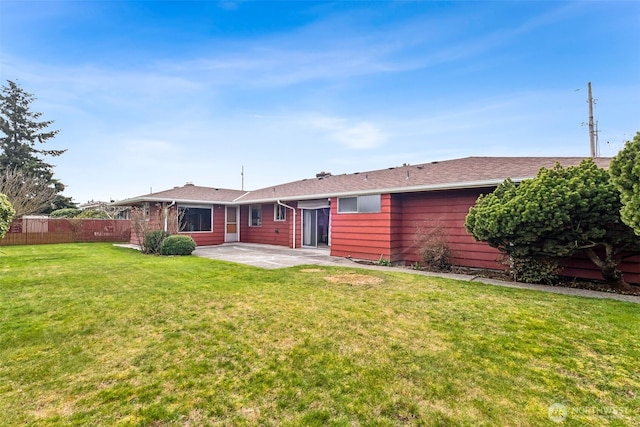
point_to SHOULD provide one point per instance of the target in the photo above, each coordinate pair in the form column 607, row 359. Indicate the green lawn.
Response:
column 91, row 334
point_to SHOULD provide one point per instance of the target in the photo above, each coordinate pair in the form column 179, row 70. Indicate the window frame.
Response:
column 279, row 213
column 180, row 210
column 360, row 204
column 258, row 209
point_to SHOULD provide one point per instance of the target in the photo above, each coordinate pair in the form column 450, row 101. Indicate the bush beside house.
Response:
column 177, row 245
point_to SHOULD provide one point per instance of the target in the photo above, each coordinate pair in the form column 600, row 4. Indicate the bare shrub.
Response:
column 28, row 194
column 145, row 220
column 432, row 245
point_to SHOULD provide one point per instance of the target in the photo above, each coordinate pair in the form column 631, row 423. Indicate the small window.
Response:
column 255, row 216
column 369, row 203
column 279, row 213
column 347, row 204
column 359, row 204
column 195, row 219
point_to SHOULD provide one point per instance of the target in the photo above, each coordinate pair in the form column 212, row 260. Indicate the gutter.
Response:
column 294, row 220
column 390, row 190
column 166, row 215
column 132, row 201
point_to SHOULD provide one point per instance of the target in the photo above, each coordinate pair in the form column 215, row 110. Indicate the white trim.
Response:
column 294, row 221
column 201, row 206
column 257, row 205
column 236, row 235
column 314, row 204
column 390, row 190
column 276, row 209
column 304, row 197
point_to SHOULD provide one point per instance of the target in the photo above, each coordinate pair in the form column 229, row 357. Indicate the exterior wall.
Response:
column 422, row 212
column 363, row 235
column 216, row 235
column 580, row 266
column 271, row 232
column 396, row 241
column 202, row 238
column 448, row 209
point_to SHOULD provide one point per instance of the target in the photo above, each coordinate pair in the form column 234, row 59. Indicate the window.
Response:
column 279, row 213
column 347, row 204
column 255, row 216
column 369, row 203
column 359, row 204
column 195, row 219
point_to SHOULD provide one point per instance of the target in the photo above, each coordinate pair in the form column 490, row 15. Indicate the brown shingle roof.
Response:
column 469, row 172
column 188, row 194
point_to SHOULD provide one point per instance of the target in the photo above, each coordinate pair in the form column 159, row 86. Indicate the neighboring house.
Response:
column 363, row 215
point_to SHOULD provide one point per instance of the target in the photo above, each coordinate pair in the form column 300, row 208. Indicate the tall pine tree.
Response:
column 21, row 136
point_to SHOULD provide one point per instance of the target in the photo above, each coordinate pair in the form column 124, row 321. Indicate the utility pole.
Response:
column 592, row 133
column 242, row 175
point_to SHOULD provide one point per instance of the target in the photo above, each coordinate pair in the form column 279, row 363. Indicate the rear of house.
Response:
column 364, row 215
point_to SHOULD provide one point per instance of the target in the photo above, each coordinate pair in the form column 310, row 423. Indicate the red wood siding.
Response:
column 448, row 209
column 202, row 238
column 271, row 232
column 423, row 212
column 580, row 266
column 215, row 236
column 363, row 235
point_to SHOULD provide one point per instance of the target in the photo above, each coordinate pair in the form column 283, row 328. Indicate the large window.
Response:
column 255, row 216
column 279, row 213
column 195, row 219
column 359, row 204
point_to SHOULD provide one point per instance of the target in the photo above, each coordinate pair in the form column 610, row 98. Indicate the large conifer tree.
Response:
column 21, row 136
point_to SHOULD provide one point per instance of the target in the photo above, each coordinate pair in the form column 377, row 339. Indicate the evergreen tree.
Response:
column 21, row 133
column 625, row 174
column 560, row 212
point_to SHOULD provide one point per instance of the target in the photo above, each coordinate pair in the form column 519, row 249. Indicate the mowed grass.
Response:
column 92, row 334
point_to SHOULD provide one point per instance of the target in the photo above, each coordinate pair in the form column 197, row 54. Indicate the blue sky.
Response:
column 150, row 95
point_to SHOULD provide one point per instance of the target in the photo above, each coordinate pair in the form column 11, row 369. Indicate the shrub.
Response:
column 433, row 247
column 93, row 214
column 178, row 245
column 534, row 270
column 6, row 214
column 153, row 241
column 65, row 213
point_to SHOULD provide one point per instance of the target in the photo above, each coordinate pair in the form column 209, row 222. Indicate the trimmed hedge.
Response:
column 177, row 245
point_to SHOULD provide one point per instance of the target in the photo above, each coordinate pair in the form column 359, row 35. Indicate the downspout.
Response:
column 294, row 220
column 166, row 215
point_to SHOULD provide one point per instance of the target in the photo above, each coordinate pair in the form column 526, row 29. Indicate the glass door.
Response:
column 310, row 228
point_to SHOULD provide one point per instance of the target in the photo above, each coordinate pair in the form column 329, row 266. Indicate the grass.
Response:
column 91, row 334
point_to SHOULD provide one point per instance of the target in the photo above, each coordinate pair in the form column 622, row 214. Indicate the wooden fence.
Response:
column 39, row 231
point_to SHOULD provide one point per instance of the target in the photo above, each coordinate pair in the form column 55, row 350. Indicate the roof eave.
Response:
column 137, row 200
column 394, row 190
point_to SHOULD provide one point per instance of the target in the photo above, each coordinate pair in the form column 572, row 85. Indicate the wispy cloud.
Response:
column 357, row 135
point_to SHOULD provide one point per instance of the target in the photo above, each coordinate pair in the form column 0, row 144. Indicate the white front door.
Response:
column 231, row 229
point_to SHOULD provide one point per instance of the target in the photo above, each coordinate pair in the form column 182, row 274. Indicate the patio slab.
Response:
column 270, row 256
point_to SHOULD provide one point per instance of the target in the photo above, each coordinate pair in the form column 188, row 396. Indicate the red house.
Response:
column 363, row 215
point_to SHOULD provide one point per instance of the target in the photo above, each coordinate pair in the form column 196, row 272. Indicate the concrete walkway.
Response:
column 272, row 257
